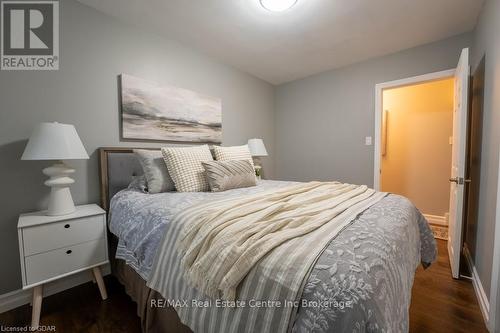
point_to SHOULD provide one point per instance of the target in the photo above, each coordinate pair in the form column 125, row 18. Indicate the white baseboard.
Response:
column 20, row 297
column 482, row 298
column 437, row 220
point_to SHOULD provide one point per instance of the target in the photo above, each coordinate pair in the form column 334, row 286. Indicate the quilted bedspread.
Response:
column 361, row 282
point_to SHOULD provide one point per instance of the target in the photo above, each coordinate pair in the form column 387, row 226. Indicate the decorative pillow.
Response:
column 139, row 183
column 184, row 166
column 238, row 153
column 155, row 170
column 226, row 175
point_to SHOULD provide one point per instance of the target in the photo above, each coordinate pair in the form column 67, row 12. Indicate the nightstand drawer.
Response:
column 44, row 266
column 46, row 237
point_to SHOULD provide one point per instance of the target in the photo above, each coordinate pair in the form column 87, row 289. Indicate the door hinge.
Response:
column 457, row 180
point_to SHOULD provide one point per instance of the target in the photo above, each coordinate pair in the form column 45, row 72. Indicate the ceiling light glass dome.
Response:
column 277, row 5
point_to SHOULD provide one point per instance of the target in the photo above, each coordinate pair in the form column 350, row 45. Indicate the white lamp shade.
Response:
column 257, row 147
column 54, row 141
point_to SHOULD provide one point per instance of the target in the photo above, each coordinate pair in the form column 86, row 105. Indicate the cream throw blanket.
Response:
column 222, row 241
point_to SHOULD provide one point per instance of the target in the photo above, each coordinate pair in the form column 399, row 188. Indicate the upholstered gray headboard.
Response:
column 117, row 167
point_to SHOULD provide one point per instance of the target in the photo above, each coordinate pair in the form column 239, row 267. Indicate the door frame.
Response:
column 494, row 306
column 379, row 106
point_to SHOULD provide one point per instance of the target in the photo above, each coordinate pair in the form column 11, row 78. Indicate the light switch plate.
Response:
column 368, row 141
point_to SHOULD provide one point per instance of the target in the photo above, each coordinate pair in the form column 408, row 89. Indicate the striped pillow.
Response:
column 226, row 175
column 233, row 153
column 185, row 169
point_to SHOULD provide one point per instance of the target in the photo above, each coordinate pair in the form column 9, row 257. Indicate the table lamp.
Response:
column 257, row 149
column 54, row 141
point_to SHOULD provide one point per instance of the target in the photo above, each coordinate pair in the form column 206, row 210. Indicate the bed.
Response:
column 360, row 282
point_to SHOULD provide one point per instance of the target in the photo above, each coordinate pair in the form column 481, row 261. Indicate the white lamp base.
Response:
column 60, row 201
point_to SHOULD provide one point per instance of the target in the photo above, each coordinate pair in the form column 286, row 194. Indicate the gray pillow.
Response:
column 155, row 170
column 226, row 175
column 139, row 183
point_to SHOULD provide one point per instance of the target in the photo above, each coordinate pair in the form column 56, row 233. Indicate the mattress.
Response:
column 362, row 281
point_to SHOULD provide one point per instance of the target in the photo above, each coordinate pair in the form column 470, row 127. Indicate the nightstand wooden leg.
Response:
column 100, row 282
column 37, row 306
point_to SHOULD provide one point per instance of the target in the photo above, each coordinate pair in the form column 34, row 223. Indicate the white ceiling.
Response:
column 311, row 37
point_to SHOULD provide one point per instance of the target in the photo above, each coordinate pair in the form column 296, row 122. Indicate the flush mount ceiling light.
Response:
column 277, row 5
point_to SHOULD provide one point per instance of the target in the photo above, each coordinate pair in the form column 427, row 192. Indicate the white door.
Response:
column 458, row 161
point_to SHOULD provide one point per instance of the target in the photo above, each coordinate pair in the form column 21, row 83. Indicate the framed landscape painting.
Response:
column 165, row 113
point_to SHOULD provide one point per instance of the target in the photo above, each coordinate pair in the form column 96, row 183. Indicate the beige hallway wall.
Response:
column 417, row 163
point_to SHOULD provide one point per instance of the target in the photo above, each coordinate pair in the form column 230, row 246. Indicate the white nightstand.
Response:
column 52, row 247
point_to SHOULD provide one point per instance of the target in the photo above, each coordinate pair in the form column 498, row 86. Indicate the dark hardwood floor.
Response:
column 439, row 304
column 442, row 304
column 81, row 309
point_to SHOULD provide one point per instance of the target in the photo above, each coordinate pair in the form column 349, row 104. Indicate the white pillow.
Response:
column 238, row 153
column 185, row 168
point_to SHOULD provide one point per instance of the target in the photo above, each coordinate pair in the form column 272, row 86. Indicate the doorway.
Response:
column 460, row 75
column 379, row 113
column 416, row 152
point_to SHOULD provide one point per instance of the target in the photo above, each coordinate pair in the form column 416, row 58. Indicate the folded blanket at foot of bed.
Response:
column 242, row 248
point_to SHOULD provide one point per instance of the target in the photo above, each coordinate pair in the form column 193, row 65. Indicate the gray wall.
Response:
column 321, row 121
column 487, row 42
column 95, row 49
